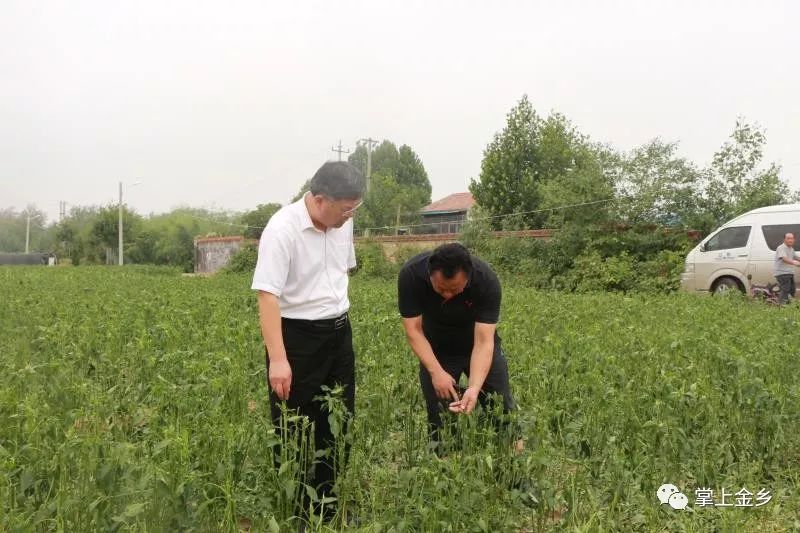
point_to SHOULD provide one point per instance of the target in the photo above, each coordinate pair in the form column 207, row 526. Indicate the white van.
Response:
column 742, row 251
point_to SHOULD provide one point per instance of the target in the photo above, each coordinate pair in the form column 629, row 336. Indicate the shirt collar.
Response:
column 305, row 216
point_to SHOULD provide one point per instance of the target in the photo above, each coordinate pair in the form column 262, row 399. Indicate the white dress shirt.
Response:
column 306, row 268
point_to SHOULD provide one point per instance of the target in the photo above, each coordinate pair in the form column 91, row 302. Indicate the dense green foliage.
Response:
column 134, row 399
column 243, row 261
column 256, row 220
column 13, row 225
column 538, row 165
column 163, row 239
column 538, row 172
column 575, row 259
column 399, row 185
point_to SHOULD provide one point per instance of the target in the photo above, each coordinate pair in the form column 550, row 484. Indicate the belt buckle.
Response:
column 340, row 322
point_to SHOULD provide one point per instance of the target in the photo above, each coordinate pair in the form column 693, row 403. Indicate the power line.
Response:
column 499, row 216
column 517, row 213
column 224, row 222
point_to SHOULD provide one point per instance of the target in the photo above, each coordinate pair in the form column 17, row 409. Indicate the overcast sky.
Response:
column 231, row 104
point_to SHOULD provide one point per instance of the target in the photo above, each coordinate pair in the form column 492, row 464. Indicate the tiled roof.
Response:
column 460, row 201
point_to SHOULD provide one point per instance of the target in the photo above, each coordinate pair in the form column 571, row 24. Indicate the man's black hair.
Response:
column 449, row 259
column 338, row 180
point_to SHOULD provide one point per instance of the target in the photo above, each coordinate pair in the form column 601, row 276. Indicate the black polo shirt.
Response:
column 449, row 326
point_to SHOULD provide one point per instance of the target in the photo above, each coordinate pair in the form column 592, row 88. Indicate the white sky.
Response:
column 231, row 104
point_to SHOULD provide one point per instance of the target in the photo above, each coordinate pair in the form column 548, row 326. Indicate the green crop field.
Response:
column 134, row 399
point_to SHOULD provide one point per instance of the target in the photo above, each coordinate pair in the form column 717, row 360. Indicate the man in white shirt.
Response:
column 301, row 276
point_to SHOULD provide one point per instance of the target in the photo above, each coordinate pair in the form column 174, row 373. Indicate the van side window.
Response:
column 729, row 238
column 774, row 234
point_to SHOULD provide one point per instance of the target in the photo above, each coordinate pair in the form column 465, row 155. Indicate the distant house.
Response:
column 448, row 214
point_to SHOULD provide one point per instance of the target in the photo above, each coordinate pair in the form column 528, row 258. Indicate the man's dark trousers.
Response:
column 786, row 283
column 496, row 383
column 320, row 353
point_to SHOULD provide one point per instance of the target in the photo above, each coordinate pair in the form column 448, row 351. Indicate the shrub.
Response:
column 372, row 262
column 244, row 260
column 591, row 272
column 404, row 253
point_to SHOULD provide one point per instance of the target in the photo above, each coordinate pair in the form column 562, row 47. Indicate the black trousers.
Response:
column 786, row 282
column 319, row 355
column 496, row 383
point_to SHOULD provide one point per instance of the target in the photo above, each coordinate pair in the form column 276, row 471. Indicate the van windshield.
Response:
column 774, row 234
column 728, row 238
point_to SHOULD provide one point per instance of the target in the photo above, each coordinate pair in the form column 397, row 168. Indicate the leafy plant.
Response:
column 135, row 399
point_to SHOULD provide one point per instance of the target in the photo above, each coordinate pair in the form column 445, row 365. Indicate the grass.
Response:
column 135, row 400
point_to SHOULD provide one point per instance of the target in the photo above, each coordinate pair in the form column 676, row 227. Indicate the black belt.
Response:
column 326, row 323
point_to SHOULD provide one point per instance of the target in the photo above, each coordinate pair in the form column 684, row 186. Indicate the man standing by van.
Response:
column 784, row 267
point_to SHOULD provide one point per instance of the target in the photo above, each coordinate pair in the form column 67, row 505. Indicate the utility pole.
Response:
column 28, row 233
column 339, row 151
column 119, row 227
column 28, row 229
column 397, row 221
column 370, row 142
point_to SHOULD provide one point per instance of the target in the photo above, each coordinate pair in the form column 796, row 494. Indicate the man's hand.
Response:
column 280, row 378
column 467, row 402
column 444, row 385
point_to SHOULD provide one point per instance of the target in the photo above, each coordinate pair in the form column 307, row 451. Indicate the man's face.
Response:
column 334, row 213
column 449, row 288
column 789, row 240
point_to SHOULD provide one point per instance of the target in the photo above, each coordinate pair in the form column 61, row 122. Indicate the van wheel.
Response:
column 724, row 285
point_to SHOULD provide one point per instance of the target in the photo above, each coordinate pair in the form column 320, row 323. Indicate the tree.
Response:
column 509, row 170
column 655, row 186
column 73, row 232
column 399, row 183
column 14, row 226
column 380, row 205
column 257, row 219
column 573, row 175
column 535, row 165
column 174, row 233
column 385, row 157
column 144, row 248
column 411, row 172
column 105, row 230
column 737, row 182
column 358, row 158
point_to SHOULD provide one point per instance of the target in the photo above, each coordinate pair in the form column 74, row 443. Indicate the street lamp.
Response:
column 120, row 260
column 28, row 230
